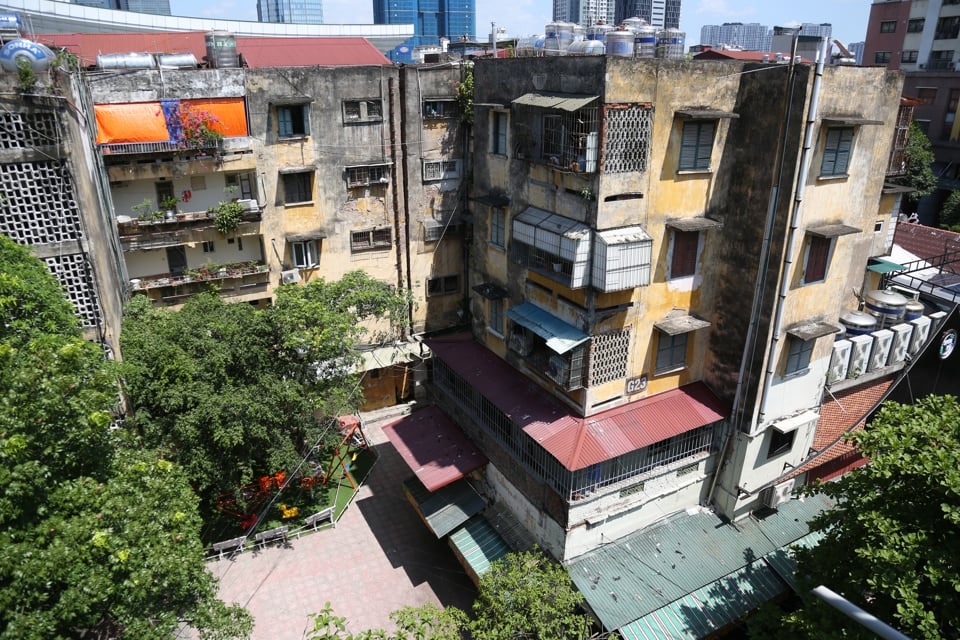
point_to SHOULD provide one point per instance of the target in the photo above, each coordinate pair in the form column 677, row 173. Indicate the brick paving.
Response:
column 379, row 558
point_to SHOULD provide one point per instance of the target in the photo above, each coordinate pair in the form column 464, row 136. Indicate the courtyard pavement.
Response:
column 379, row 558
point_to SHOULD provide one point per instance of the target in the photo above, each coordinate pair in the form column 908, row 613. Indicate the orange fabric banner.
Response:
column 130, row 122
column 230, row 113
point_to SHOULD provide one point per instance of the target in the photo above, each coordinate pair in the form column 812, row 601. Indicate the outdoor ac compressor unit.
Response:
column 859, row 355
column 839, row 361
column 882, row 341
column 921, row 329
column 290, row 277
column 778, row 494
column 901, row 341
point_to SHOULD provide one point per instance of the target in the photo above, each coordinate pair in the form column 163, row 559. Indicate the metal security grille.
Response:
column 72, row 271
column 37, row 203
column 609, row 357
column 27, row 130
column 627, row 132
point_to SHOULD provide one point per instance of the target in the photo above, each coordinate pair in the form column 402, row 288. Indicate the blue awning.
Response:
column 560, row 336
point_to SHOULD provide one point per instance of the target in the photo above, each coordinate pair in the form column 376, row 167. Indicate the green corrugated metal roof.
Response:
column 565, row 101
column 447, row 508
column 782, row 560
column 880, row 265
column 660, row 564
column 479, row 544
column 709, row 608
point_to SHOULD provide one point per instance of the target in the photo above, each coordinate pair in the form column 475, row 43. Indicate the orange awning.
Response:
column 230, row 112
column 130, row 122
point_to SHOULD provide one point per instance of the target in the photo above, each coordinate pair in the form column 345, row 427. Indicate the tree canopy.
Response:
column 890, row 545
column 96, row 537
column 919, row 160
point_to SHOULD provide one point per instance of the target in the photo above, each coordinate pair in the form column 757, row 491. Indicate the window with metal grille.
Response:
column 940, row 59
column 836, row 151
column 498, row 224
column 362, row 111
column 671, row 351
column 817, row 258
column 292, row 120
column 440, row 170
column 440, row 109
column 570, row 140
column 364, row 175
column 888, row 26
column 298, row 187
column 498, row 133
column 696, row 145
column 683, row 259
column 443, row 285
column 305, row 254
column 371, row 240
column 798, row 355
column 547, row 263
column 915, row 25
column 627, row 132
column 495, row 316
column 609, row 356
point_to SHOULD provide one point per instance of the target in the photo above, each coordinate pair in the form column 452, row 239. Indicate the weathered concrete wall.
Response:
column 150, row 85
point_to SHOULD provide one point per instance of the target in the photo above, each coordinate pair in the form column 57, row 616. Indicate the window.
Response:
column 915, row 25
column 571, row 140
column 208, row 246
column 942, row 59
column 817, row 258
column 305, row 254
column 443, row 285
column 881, row 57
column 927, row 94
column 362, row 111
column 297, row 187
column 364, row 175
column 440, row 170
column 495, row 316
column 798, row 355
column 237, row 241
column 241, row 185
column 671, row 351
column 948, row 28
column 908, row 56
column 836, row 151
column 439, row 109
column 498, row 224
column 292, row 120
column 951, row 113
column 498, row 133
column 371, row 240
column 553, row 136
column 888, row 26
column 696, row 145
column 683, row 260
column 780, row 442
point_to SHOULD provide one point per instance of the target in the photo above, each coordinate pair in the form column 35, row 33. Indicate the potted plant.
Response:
column 227, row 216
column 169, row 206
column 144, row 210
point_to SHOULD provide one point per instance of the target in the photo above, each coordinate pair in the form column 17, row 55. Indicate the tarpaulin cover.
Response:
column 146, row 121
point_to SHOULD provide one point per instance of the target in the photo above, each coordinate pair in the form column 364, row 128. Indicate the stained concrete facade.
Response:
column 711, row 180
column 53, row 197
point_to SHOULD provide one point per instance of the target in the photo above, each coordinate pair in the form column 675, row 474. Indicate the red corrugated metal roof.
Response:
column 578, row 442
column 727, row 54
column 257, row 51
column 926, row 242
column 434, row 448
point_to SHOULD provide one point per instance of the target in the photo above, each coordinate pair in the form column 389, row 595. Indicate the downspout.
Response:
column 736, row 416
column 788, row 259
column 398, row 151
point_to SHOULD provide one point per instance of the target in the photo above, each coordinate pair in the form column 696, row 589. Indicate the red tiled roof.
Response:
column 845, row 412
column 925, row 242
column 574, row 441
column 257, row 51
column 434, row 448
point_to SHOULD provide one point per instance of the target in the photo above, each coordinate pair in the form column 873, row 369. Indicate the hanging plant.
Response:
column 227, row 216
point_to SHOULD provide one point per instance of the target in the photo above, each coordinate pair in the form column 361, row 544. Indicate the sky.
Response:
column 526, row 17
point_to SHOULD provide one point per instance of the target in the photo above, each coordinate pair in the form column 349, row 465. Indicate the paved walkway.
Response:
column 380, row 557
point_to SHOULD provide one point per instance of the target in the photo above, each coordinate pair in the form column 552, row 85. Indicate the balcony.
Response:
column 151, row 160
column 230, row 280
column 139, row 235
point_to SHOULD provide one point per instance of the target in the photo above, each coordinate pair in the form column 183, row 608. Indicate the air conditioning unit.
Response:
column 921, row 329
column 521, row 342
column 290, row 277
column 839, row 361
column 882, row 340
column 901, row 341
column 249, row 205
column 859, row 355
column 776, row 495
column 936, row 320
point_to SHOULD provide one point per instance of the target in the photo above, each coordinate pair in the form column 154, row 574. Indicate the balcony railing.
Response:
column 129, row 148
column 155, row 233
column 230, row 279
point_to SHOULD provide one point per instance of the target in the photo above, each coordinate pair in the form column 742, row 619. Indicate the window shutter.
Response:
column 704, row 145
column 285, row 121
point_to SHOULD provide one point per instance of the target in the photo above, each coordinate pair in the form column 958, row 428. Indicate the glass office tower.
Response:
column 431, row 20
column 290, row 11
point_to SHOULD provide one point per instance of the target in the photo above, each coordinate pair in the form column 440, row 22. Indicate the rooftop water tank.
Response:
column 670, row 44
column 645, row 41
column 886, row 305
column 221, row 49
column 598, row 31
column 858, row 323
column 586, row 48
column 126, row 61
column 38, row 56
column 633, row 23
column 620, row 43
column 565, row 34
column 177, row 60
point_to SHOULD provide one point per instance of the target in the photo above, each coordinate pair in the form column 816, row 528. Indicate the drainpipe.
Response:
column 398, row 152
column 788, row 259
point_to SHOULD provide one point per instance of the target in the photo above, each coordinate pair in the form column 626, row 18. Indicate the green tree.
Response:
column 950, row 212
column 919, row 160
column 427, row 622
column 890, row 545
column 95, row 539
column 528, row 595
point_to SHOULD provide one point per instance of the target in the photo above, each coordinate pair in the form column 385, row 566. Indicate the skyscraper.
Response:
column 289, row 11
column 664, row 14
column 156, row 7
column 584, row 12
column 431, row 20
